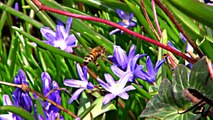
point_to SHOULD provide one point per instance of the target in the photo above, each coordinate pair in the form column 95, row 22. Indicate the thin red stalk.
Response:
column 148, row 20
column 179, row 27
column 156, row 18
column 83, row 17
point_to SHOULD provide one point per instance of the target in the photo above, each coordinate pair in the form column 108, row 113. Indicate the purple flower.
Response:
column 81, row 84
column 151, row 73
column 208, row 2
column 61, row 38
column 126, row 20
column 123, row 64
column 47, row 86
column 116, row 88
column 20, row 97
column 9, row 116
column 120, row 57
column 51, row 112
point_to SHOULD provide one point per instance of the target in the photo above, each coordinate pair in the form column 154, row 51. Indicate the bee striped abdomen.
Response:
column 96, row 52
column 89, row 58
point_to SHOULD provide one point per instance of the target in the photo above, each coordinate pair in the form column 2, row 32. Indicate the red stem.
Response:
column 83, row 17
column 156, row 18
column 179, row 27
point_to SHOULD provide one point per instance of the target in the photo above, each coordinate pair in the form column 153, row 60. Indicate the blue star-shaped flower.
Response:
column 116, row 88
column 20, row 97
column 61, row 38
column 151, row 73
column 47, row 86
column 126, row 20
column 123, row 64
column 81, row 84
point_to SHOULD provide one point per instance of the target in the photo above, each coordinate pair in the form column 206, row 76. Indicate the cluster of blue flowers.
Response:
column 125, row 66
column 24, row 100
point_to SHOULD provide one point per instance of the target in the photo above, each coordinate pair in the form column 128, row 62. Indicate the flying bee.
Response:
column 95, row 53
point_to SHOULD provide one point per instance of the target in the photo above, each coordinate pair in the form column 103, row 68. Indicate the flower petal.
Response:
column 131, row 52
column 81, row 73
column 122, row 14
column 129, row 87
column 75, row 95
column 75, row 83
column 68, row 25
column 159, row 64
column 45, row 30
column 114, row 31
column 120, row 56
column 6, row 100
column 108, row 98
column 149, row 66
column 59, row 33
column 71, row 41
column 131, row 16
column 46, row 82
column 132, row 24
column 123, row 80
column 117, row 71
column 90, row 86
column 110, row 80
column 103, row 84
column 124, row 95
column 50, row 39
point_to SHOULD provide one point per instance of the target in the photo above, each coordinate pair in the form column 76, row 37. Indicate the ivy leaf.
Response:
column 162, row 106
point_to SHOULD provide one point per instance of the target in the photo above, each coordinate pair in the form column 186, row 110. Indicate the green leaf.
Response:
column 98, row 109
column 196, row 10
column 19, row 111
column 162, row 106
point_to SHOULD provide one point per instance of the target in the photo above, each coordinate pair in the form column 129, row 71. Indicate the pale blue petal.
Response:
column 117, row 71
column 131, row 52
column 68, row 25
column 68, row 50
column 120, row 56
column 122, row 14
column 149, row 66
column 45, row 30
column 114, row 31
column 130, row 16
column 59, row 34
column 159, row 64
column 103, row 84
column 50, row 39
column 90, row 86
column 75, row 95
column 110, row 80
column 132, row 24
column 123, row 80
column 124, row 95
column 129, row 87
column 81, row 74
column 75, row 83
column 108, row 98
column 71, row 41
column 46, row 82
column 6, row 100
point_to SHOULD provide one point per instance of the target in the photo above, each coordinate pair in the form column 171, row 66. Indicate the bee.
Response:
column 95, row 53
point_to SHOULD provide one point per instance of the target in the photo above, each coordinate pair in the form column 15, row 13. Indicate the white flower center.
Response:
column 61, row 44
column 116, row 89
column 126, row 22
